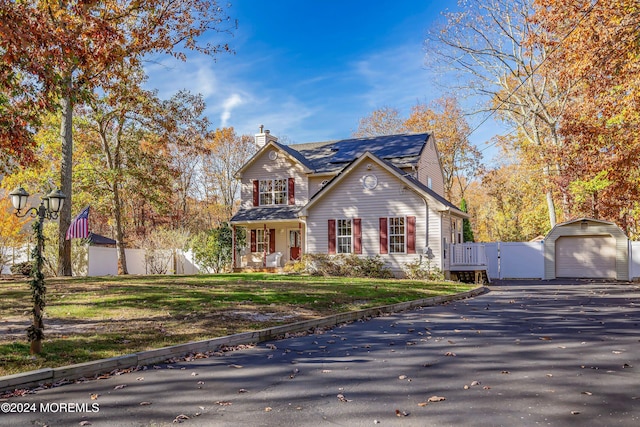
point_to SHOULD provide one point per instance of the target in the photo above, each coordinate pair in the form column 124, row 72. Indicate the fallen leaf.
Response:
column 121, row 386
column 223, row 403
column 475, row 383
column 545, row 338
column 575, row 412
column 145, row 403
column 140, row 379
column 236, row 366
column 505, row 372
column 436, row 399
column 94, row 396
column 450, row 353
column 85, row 423
column 180, row 418
column 243, row 390
column 402, row 377
column 341, row 398
column 272, row 346
column 423, row 403
column 326, row 371
column 401, row 413
column 268, row 409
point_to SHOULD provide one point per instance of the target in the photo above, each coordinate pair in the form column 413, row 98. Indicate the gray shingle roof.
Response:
column 266, row 213
column 333, row 156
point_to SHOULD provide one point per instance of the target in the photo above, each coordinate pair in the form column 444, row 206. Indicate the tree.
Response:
column 11, row 231
column 467, row 231
column 491, row 46
column 596, row 43
column 461, row 161
column 213, row 249
column 227, row 153
column 132, row 133
column 383, row 121
column 57, row 52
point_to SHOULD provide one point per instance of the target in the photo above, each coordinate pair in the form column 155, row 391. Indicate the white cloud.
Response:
column 228, row 105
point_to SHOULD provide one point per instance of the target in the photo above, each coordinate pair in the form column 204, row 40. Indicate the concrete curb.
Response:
column 97, row 367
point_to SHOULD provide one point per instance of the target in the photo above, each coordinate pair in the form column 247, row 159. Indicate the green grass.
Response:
column 93, row 318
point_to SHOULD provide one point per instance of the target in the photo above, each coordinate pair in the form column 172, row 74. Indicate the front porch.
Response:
column 268, row 246
column 468, row 262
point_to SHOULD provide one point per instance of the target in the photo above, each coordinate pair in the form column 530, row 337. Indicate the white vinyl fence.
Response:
column 525, row 260
column 104, row 262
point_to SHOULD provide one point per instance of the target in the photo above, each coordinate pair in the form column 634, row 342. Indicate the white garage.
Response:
column 586, row 248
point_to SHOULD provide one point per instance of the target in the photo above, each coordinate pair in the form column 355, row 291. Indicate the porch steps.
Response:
column 478, row 277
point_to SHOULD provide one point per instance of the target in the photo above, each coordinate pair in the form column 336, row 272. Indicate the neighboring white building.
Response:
column 368, row 196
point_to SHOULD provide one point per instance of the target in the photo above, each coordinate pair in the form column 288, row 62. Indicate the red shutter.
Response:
column 253, row 241
column 383, row 236
column 292, row 191
column 256, row 192
column 411, row 234
column 272, row 240
column 357, row 236
column 332, row 236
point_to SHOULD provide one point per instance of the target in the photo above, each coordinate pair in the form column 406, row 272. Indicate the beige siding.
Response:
column 429, row 167
column 349, row 199
column 587, row 228
column 280, row 168
column 315, row 184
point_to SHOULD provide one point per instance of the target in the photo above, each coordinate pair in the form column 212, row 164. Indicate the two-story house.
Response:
column 367, row 196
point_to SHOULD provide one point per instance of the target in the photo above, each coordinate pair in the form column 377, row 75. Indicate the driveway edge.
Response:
column 45, row 376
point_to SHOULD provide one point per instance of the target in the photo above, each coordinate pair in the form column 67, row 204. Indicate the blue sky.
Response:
column 309, row 69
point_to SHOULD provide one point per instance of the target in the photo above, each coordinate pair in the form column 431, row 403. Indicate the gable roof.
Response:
column 331, row 157
column 408, row 180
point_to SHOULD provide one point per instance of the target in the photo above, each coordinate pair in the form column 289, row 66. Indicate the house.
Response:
column 367, row 196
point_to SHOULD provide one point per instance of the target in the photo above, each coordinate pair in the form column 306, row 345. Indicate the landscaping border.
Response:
column 97, row 367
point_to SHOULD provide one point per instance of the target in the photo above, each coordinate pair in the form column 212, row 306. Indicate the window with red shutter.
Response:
column 357, row 236
column 292, row 191
column 411, row 234
column 256, row 192
column 383, row 236
column 253, row 241
column 332, row 236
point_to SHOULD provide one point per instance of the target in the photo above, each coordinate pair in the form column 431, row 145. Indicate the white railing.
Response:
column 464, row 254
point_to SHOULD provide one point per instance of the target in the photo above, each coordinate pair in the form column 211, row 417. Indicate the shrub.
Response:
column 418, row 270
column 23, row 268
column 346, row 266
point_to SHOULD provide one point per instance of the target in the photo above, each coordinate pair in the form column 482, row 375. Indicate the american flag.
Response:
column 79, row 228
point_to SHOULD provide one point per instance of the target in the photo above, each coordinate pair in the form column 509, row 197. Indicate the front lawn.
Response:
column 99, row 317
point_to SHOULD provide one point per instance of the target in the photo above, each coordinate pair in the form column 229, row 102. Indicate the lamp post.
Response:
column 49, row 208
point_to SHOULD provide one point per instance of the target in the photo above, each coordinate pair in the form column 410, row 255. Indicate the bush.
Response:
column 418, row 270
column 23, row 268
column 346, row 266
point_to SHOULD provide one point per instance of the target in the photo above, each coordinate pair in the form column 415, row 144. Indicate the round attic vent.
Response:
column 273, row 154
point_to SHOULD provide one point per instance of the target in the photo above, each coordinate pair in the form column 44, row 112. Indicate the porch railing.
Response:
column 467, row 254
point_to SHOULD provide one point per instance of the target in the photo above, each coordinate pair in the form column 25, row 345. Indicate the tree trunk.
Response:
column 120, row 243
column 66, row 169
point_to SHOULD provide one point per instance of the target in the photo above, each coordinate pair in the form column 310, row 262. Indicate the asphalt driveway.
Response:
column 527, row 353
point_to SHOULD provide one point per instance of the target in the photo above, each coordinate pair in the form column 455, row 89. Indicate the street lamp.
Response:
column 49, row 208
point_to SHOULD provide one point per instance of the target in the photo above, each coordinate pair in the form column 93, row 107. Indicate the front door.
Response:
column 294, row 245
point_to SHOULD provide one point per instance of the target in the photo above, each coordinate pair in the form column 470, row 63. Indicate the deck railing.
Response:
column 467, row 254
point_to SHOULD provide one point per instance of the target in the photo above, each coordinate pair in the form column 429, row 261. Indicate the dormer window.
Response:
column 273, row 192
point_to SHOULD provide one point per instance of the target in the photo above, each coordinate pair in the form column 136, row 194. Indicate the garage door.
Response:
column 586, row 257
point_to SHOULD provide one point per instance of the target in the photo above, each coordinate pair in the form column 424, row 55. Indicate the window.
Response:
column 396, row 235
column 261, row 240
column 343, row 236
column 273, row 192
column 429, row 182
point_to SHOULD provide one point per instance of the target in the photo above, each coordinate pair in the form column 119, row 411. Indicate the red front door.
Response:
column 294, row 245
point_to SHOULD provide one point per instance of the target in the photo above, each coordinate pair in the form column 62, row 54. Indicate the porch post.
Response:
column 265, row 243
